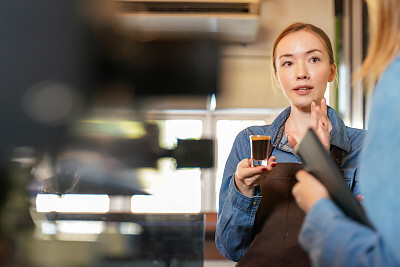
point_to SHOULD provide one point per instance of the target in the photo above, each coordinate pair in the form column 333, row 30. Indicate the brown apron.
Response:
column 278, row 221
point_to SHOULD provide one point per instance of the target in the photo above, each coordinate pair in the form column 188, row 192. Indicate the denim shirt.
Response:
column 330, row 238
column 237, row 212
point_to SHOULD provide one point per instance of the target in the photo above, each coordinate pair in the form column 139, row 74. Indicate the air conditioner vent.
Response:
column 183, row 7
column 228, row 20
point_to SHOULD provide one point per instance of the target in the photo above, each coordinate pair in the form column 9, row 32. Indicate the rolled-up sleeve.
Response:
column 236, row 212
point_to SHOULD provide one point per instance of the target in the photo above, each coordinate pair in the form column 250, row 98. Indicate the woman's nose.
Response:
column 302, row 77
column 301, row 72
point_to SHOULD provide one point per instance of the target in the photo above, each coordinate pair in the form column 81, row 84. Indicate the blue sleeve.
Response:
column 332, row 239
column 380, row 159
column 236, row 212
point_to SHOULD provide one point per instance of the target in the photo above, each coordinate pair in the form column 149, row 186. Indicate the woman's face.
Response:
column 302, row 68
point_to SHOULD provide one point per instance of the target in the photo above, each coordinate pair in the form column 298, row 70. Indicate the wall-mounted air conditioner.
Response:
column 229, row 20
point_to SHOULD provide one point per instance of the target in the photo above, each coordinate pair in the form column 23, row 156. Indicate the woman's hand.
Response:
column 308, row 190
column 320, row 123
column 247, row 177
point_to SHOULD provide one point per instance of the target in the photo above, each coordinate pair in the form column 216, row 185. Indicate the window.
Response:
column 226, row 133
column 177, row 191
column 228, row 125
column 172, row 190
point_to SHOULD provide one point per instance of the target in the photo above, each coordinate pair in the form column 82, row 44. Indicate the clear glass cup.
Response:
column 259, row 145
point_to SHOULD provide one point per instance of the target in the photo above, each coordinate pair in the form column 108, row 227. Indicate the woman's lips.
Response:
column 303, row 90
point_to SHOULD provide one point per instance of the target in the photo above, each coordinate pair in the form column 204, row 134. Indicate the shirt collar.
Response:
column 339, row 135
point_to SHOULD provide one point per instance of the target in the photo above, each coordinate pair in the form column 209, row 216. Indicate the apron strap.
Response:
column 337, row 156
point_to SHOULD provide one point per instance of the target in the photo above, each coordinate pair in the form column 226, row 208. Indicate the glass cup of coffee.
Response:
column 259, row 145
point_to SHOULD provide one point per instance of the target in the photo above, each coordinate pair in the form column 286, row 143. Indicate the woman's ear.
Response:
column 333, row 72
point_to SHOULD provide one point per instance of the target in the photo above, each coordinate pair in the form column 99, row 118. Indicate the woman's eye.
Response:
column 287, row 63
column 314, row 59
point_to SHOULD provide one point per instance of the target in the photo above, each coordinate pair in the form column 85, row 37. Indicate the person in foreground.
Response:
column 330, row 238
column 258, row 219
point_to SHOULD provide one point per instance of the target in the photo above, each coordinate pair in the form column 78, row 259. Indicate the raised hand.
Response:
column 247, row 177
column 320, row 123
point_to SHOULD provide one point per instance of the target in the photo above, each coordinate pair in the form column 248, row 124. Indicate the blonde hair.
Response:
column 384, row 45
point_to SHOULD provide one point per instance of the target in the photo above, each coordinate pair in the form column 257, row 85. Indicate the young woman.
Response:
column 258, row 219
column 330, row 238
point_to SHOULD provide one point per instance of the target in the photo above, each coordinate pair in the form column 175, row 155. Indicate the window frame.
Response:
column 209, row 195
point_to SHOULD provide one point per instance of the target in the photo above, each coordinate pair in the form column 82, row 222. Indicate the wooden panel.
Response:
column 210, row 250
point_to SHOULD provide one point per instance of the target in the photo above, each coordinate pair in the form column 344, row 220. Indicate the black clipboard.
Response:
column 319, row 163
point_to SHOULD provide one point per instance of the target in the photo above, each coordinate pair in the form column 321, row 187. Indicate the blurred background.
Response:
column 117, row 118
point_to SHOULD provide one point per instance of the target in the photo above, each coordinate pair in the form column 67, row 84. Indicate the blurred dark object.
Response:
column 55, row 62
column 194, row 153
column 66, row 180
column 107, row 165
column 84, row 178
column 62, row 51
column 64, row 55
column 175, row 67
column 125, row 240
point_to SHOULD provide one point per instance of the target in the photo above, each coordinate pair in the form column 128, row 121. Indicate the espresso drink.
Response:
column 259, row 149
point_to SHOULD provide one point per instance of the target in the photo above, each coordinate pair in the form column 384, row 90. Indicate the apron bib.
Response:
column 278, row 221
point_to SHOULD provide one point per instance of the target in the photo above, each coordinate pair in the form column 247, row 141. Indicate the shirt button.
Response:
column 254, row 203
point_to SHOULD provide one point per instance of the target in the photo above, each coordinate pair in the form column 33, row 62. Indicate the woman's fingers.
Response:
column 324, row 121
column 292, row 141
column 271, row 163
column 320, row 123
column 325, row 125
column 308, row 190
column 314, row 116
column 252, row 172
column 301, row 175
column 324, row 106
column 319, row 115
column 252, row 176
column 245, row 171
column 245, row 177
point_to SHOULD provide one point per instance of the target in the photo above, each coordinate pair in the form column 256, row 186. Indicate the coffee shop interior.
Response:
column 117, row 118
